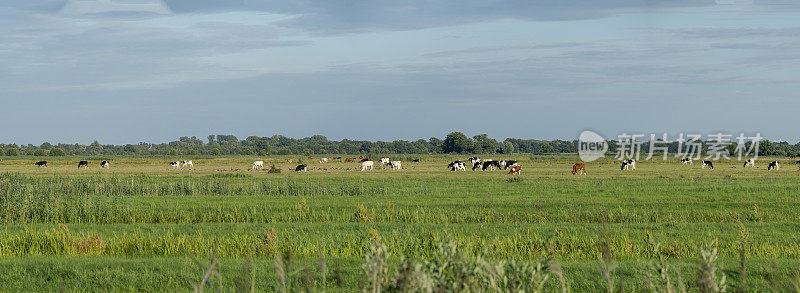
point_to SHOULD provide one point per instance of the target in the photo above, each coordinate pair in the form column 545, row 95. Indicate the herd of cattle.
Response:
column 458, row 165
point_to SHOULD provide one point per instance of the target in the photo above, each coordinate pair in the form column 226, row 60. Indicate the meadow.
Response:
column 142, row 225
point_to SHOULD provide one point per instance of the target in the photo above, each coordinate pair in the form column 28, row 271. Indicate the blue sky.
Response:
column 124, row 71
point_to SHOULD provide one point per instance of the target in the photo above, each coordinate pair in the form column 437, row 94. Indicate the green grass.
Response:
column 142, row 220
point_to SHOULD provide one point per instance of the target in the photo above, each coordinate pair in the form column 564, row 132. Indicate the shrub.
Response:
column 57, row 152
column 12, row 152
column 273, row 169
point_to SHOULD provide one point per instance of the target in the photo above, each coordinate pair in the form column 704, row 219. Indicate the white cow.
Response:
column 188, row 164
column 367, row 165
column 258, row 164
column 750, row 162
column 384, row 161
column 323, row 160
column 460, row 166
column 175, row 164
column 396, row 165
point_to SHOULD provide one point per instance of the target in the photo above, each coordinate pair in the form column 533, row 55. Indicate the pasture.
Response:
column 144, row 225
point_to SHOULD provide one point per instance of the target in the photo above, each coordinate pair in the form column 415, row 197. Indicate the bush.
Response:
column 57, row 152
column 12, row 152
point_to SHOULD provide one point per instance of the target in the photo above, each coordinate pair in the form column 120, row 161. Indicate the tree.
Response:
column 456, row 142
column 215, row 152
column 39, row 153
column 487, row 145
column 766, row 148
column 546, row 148
column 57, row 152
column 11, row 152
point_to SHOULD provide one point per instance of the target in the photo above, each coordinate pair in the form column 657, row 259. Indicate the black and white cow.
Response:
column 750, row 162
column 687, row 161
column 83, row 164
column 510, row 163
column 175, row 164
column 490, row 165
column 41, row 164
column 105, row 164
column 301, row 168
column 474, row 160
column 709, row 164
column 188, row 164
column 395, row 165
column 456, row 166
column 775, row 165
column 476, row 165
column 628, row 163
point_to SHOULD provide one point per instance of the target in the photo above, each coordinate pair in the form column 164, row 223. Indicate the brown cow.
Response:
column 349, row 160
column 288, row 160
column 515, row 170
column 579, row 167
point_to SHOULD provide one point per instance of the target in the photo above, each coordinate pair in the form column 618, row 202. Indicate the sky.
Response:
column 127, row 71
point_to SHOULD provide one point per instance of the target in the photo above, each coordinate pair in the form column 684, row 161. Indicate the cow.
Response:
column 301, row 168
column 84, row 164
column 310, row 158
column 288, row 160
column 415, row 160
column 502, row 163
column 709, row 164
column 188, row 163
column 41, row 164
column 474, row 160
column 457, row 165
column 323, row 160
column 775, row 165
column 579, row 167
column 511, row 163
column 105, row 164
column 258, row 164
column 515, row 170
column 395, row 165
column 349, row 160
column 750, row 162
column 175, row 164
column 628, row 163
column 365, row 159
column 384, row 161
column 367, row 165
column 476, row 165
column 490, row 165
column 687, row 161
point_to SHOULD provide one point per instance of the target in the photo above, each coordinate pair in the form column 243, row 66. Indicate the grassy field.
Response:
column 141, row 224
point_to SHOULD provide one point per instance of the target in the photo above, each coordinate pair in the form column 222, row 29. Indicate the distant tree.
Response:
column 766, row 148
column 211, row 138
column 546, row 148
column 487, row 145
column 456, row 142
column 57, row 152
column 129, row 148
column 12, row 152
column 46, row 146
column 215, row 152
column 173, row 152
column 40, row 152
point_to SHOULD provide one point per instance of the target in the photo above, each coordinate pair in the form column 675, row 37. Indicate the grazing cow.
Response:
column 476, row 165
column 511, row 163
column 175, row 164
column 395, row 165
column 579, row 167
column 474, row 160
column 774, row 164
column 384, row 161
column 349, row 160
column 338, row 158
column 310, row 158
column 457, row 166
column 301, row 168
column 687, row 161
column 490, row 165
column 288, row 160
column 502, row 163
column 415, row 160
column 709, row 164
column 367, row 165
column 515, row 170
column 105, row 164
column 41, row 163
column 798, row 162
column 323, row 160
column 258, row 164
column 365, row 159
column 750, row 162
column 84, row 164
column 628, row 163
column 188, row 163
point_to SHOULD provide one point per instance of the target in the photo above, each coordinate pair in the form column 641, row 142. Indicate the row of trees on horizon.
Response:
column 455, row 142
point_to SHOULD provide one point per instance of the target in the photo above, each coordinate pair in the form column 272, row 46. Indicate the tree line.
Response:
column 455, row 142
